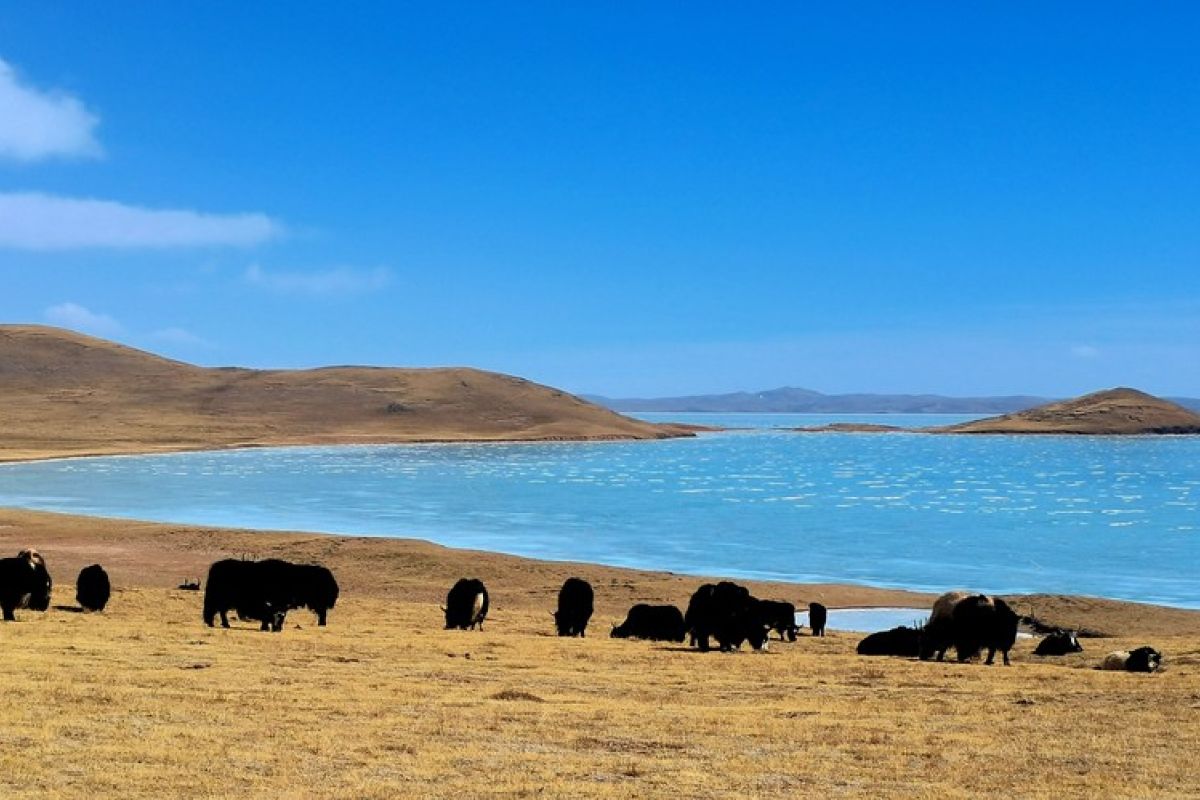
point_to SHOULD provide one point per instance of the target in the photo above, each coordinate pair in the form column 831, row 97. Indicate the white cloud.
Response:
column 78, row 318
column 36, row 124
column 180, row 336
column 1085, row 351
column 34, row 221
column 339, row 280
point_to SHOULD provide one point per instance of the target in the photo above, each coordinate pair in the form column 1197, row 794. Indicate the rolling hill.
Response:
column 1113, row 412
column 63, row 393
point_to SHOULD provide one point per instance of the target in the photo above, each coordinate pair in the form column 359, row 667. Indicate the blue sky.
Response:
column 616, row 198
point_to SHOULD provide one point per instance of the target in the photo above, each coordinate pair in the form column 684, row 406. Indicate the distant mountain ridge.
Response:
column 806, row 401
column 796, row 400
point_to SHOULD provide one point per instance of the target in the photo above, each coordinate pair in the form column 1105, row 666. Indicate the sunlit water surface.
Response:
column 1109, row 516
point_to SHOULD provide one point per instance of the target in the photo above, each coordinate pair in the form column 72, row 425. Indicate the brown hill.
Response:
column 1112, row 412
column 63, row 393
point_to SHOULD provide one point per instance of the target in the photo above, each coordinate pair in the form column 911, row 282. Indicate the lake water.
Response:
column 1116, row 517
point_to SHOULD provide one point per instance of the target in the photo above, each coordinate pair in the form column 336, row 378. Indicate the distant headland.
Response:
column 1112, row 412
column 67, row 394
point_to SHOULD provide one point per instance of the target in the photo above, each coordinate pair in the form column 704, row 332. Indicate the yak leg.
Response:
column 8, row 614
column 224, row 619
column 1005, row 652
column 321, row 618
column 992, row 656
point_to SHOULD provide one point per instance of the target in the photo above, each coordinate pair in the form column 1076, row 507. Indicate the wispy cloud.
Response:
column 35, row 221
column 79, row 318
column 180, row 336
column 1085, row 351
column 336, row 281
column 37, row 124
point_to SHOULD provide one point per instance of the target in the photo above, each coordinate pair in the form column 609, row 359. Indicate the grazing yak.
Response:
column 726, row 612
column 656, row 623
column 24, row 583
column 1059, row 643
column 899, row 641
column 466, row 604
column 575, row 605
column 969, row 623
column 1143, row 659
column 92, row 588
column 817, row 615
column 266, row 590
column 778, row 616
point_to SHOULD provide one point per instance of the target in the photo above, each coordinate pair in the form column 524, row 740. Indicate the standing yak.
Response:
column 24, row 583
column 726, row 612
column 92, row 588
column 266, row 590
column 969, row 623
column 466, row 604
column 817, row 617
column 575, row 605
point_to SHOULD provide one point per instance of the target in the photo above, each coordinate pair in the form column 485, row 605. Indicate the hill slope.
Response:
column 62, row 393
column 1114, row 411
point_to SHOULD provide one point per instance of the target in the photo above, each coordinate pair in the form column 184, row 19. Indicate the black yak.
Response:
column 899, row 641
column 817, row 616
column 725, row 612
column 1059, row 643
column 657, row 623
column 778, row 616
column 575, row 605
column 466, row 604
column 314, row 588
column 1143, row 659
column 266, row 590
column 92, row 588
column 969, row 623
column 24, row 583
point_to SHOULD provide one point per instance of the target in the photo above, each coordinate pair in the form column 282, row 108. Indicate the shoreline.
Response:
column 669, row 431
column 161, row 555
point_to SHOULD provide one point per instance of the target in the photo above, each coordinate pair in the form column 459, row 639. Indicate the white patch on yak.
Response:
column 1116, row 660
column 478, row 607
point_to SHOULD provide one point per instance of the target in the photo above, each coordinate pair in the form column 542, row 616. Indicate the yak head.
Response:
column 618, row 632
column 40, row 585
column 562, row 624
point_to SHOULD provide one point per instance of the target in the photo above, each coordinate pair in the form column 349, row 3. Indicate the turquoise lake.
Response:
column 1115, row 517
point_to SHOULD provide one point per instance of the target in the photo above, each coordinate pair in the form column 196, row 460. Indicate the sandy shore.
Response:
column 146, row 554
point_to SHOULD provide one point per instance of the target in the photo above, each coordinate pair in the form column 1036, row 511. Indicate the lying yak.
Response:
column 899, row 641
column 575, row 605
column 656, row 623
column 466, row 604
column 817, row 615
column 266, row 590
column 726, row 612
column 1143, row 659
column 1059, row 643
column 92, row 588
column 778, row 616
column 24, row 583
column 969, row 623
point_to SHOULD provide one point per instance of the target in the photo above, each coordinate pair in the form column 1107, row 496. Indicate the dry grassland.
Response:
column 143, row 701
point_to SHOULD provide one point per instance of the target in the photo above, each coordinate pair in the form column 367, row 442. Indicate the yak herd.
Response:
column 725, row 613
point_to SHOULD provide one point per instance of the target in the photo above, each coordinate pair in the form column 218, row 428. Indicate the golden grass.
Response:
column 143, row 701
